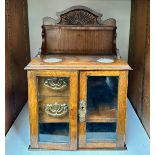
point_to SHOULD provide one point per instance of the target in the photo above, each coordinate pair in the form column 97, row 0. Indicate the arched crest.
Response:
column 78, row 15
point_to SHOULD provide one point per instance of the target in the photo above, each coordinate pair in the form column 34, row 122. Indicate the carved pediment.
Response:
column 78, row 15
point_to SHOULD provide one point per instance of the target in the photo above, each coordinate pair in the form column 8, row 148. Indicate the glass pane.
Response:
column 101, row 108
column 53, row 99
column 54, row 132
column 53, row 86
column 101, row 131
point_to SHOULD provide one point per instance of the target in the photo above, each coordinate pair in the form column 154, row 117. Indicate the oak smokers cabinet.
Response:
column 77, row 86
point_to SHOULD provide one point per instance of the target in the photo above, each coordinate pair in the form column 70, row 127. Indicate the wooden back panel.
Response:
column 79, row 30
column 78, row 40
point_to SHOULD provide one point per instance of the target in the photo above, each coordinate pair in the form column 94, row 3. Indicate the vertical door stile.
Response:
column 83, row 94
column 33, row 109
column 122, row 99
column 73, row 110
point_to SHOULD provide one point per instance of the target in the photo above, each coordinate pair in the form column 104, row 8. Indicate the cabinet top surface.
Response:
column 77, row 62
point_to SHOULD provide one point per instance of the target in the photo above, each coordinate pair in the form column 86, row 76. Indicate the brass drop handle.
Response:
column 56, row 110
column 82, row 111
column 56, row 83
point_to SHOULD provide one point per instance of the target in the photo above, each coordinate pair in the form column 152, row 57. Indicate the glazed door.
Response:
column 102, row 109
column 53, row 109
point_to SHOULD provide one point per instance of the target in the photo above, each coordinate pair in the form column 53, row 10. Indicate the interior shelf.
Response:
column 97, row 115
column 49, row 119
column 56, row 96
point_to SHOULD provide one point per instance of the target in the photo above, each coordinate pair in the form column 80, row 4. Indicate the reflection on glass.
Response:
column 53, row 99
column 102, row 93
column 53, row 86
column 101, row 108
column 54, row 132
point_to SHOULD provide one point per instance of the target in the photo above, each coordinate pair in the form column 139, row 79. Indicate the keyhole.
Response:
column 82, row 108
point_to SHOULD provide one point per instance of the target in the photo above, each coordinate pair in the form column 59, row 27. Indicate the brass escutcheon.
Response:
column 82, row 111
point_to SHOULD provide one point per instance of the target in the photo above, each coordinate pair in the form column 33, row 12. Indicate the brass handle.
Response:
column 56, row 110
column 56, row 83
column 82, row 111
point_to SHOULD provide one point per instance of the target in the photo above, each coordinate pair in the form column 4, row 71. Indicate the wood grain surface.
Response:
column 78, row 45
column 139, row 60
column 78, row 30
column 76, row 62
column 36, row 116
column 121, row 113
column 16, row 58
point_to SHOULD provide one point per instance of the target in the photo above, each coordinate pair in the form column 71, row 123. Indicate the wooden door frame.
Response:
column 121, row 114
column 33, row 109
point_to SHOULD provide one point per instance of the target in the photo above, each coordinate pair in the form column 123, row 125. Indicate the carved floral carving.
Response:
column 78, row 15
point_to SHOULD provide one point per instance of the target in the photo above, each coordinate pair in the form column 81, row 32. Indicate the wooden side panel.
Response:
column 8, row 87
column 146, row 93
column 137, row 56
column 137, row 52
column 17, row 56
